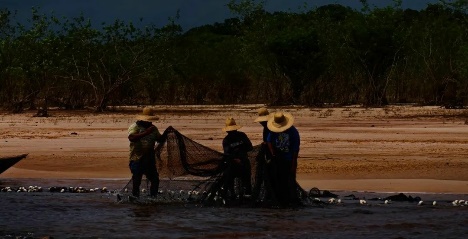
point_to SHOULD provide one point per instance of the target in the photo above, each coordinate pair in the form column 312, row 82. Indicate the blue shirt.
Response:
column 285, row 143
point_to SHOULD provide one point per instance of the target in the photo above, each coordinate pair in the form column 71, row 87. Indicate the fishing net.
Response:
column 190, row 171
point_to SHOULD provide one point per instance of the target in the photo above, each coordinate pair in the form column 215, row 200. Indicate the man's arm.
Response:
column 270, row 145
column 138, row 136
column 295, row 145
column 248, row 143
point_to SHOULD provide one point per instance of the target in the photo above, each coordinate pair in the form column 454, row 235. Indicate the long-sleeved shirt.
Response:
column 236, row 144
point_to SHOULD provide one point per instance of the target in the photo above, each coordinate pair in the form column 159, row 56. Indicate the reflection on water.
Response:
column 97, row 215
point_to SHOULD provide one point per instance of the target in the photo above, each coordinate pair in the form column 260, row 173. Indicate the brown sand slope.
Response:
column 398, row 148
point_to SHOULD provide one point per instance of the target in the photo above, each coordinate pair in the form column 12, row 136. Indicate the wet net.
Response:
column 192, row 172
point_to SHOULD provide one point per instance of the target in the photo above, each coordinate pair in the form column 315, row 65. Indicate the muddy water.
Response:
column 98, row 215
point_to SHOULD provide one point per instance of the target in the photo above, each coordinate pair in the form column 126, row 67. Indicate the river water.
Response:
column 99, row 215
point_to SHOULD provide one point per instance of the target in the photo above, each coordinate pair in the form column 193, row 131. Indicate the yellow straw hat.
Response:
column 280, row 122
column 262, row 115
column 147, row 115
column 231, row 125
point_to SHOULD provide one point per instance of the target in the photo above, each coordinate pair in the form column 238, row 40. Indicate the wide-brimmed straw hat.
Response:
column 147, row 115
column 280, row 122
column 262, row 115
column 231, row 125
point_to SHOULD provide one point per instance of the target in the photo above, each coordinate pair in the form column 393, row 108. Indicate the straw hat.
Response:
column 231, row 125
column 280, row 122
column 262, row 115
column 147, row 115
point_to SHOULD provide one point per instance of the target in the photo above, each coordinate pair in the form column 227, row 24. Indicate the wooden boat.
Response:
column 7, row 162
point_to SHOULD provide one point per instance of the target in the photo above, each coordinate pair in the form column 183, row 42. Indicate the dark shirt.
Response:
column 236, row 144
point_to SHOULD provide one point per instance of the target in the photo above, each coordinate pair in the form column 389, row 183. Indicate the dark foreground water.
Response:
column 98, row 215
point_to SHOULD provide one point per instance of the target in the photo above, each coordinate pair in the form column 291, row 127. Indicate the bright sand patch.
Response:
column 392, row 149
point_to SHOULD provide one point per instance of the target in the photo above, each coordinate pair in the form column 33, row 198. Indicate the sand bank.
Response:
column 392, row 149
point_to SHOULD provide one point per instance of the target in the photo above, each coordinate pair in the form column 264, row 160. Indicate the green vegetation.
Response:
column 330, row 54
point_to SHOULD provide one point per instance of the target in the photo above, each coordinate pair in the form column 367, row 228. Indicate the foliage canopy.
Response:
column 329, row 54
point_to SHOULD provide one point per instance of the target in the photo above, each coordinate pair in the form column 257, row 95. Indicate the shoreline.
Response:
column 442, row 187
column 307, row 182
column 426, row 186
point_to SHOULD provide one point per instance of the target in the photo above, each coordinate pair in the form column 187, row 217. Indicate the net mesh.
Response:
column 190, row 171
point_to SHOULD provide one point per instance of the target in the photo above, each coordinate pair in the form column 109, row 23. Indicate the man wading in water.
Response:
column 236, row 144
column 143, row 136
column 283, row 142
column 266, row 171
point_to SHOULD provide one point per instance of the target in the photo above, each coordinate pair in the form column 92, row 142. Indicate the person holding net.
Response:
column 266, row 171
column 143, row 135
column 284, row 142
column 236, row 144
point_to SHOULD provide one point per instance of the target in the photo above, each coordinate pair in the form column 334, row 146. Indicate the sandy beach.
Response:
column 390, row 149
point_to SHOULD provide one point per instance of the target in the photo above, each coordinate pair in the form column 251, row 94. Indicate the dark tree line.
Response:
column 330, row 54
